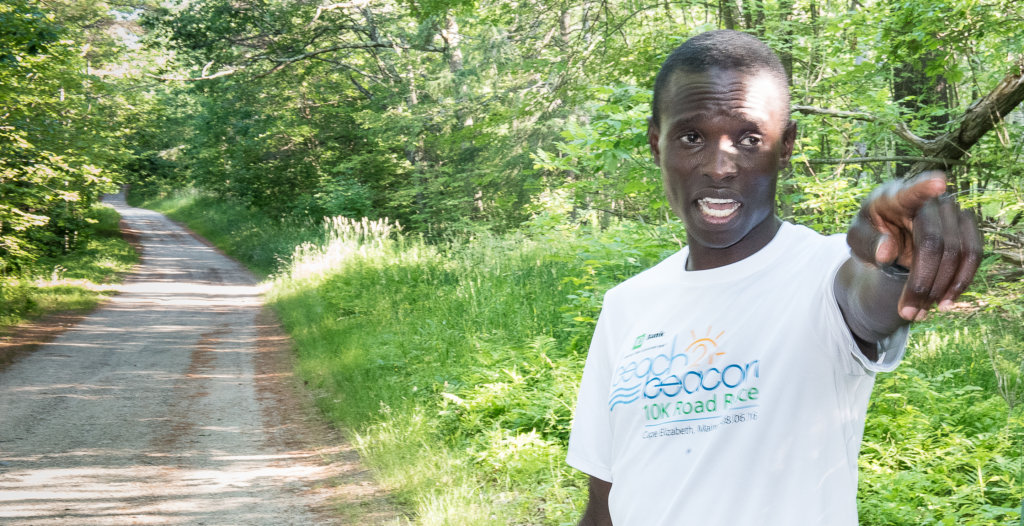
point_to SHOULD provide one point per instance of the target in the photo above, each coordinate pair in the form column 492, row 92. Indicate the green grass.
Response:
column 77, row 281
column 942, row 445
column 456, row 382
column 454, row 367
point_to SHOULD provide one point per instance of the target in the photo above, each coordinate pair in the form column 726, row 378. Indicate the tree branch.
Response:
column 222, row 73
column 980, row 117
column 882, row 159
column 375, row 44
column 331, row 7
column 283, row 62
column 899, row 128
column 983, row 115
column 360, row 87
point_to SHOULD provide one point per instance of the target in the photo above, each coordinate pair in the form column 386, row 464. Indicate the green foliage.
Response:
column 59, row 127
column 456, row 335
column 606, row 160
column 823, row 203
column 74, row 281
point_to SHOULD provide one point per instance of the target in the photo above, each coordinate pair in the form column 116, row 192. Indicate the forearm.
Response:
column 868, row 299
column 596, row 513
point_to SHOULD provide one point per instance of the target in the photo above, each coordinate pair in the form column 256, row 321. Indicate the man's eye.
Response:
column 750, row 140
column 690, row 138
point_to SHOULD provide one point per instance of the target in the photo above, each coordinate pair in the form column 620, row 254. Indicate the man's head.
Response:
column 724, row 49
column 720, row 133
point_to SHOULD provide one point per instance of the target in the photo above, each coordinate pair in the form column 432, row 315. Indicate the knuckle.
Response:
column 959, row 286
column 930, row 243
column 920, row 290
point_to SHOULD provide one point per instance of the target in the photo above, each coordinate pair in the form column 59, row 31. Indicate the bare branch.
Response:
column 222, row 73
column 883, row 159
column 980, row 117
column 899, row 128
column 360, row 87
column 857, row 115
column 366, row 74
column 331, row 7
column 377, row 44
column 983, row 115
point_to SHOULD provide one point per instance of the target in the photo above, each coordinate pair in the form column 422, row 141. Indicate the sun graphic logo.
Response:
column 703, row 350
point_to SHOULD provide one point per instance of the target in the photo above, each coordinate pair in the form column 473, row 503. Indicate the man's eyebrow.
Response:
column 690, row 121
column 694, row 119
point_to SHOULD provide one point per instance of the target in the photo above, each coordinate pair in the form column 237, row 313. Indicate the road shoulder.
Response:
column 293, row 424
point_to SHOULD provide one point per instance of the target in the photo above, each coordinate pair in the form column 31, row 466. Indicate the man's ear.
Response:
column 653, row 134
column 788, row 140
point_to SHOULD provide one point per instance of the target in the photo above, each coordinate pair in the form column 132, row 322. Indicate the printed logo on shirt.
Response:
column 685, row 379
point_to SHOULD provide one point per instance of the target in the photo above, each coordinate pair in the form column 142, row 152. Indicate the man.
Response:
column 728, row 384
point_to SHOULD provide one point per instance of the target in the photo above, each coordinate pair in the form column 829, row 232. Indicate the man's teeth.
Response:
column 715, row 207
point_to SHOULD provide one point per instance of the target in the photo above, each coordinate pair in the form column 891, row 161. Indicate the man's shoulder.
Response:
column 804, row 245
column 801, row 239
column 661, row 274
column 829, row 242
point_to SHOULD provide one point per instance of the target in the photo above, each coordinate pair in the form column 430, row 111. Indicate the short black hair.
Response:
column 724, row 49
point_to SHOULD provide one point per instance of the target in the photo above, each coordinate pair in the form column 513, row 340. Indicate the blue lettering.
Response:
column 742, row 372
column 686, row 384
column 671, row 381
column 706, row 375
column 757, row 368
column 656, row 382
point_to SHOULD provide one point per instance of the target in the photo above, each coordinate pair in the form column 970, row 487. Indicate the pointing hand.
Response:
column 913, row 225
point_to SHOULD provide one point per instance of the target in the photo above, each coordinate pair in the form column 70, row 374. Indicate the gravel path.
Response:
column 172, row 405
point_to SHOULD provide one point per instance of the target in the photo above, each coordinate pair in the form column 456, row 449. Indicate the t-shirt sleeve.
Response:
column 890, row 349
column 590, row 440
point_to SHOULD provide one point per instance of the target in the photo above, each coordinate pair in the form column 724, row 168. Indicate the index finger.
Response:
column 913, row 194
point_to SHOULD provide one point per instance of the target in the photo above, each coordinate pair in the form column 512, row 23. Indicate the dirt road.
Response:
column 172, row 405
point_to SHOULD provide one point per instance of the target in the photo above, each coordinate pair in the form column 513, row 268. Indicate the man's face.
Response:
column 722, row 139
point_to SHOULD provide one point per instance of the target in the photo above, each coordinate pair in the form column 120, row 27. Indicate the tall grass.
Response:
column 446, row 362
column 455, row 366
column 942, row 444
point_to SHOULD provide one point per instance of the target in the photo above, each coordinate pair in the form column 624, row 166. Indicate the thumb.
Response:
column 886, row 250
column 871, row 244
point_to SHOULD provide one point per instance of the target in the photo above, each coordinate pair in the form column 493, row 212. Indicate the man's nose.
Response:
column 721, row 163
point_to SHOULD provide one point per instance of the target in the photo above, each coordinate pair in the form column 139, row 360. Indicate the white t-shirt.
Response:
column 730, row 396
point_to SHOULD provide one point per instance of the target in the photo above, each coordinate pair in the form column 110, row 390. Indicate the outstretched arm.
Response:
column 912, row 249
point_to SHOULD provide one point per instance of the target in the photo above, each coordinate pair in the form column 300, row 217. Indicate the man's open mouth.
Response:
column 713, row 207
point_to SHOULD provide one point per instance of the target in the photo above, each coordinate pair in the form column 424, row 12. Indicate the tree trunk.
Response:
column 914, row 90
column 450, row 34
column 786, row 37
column 755, row 10
column 726, row 15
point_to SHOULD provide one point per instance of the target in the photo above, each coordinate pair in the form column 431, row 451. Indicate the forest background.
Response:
column 438, row 193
